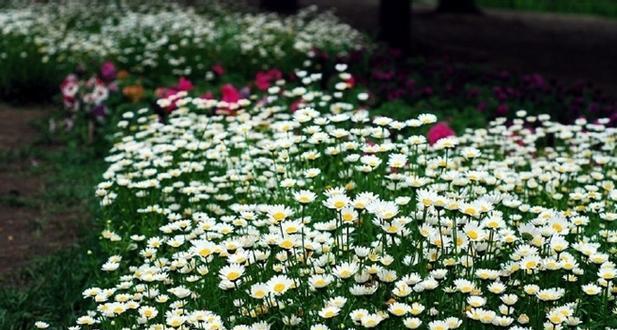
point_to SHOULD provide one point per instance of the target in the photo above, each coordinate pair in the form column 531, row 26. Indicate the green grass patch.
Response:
column 49, row 288
column 605, row 8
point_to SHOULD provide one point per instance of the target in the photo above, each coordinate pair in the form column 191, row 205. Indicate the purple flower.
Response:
column 108, row 71
column 502, row 109
column 98, row 111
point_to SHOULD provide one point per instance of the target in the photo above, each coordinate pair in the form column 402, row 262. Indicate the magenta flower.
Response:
column 229, row 93
column 108, row 71
column 264, row 79
column 184, row 84
column 439, row 131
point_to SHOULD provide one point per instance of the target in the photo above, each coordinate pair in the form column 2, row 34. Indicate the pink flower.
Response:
column 163, row 92
column 69, row 86
column 229, row 93
column 439, row 131
column 218, row 69
column 295, row 105
column 264, row 79
column 207, row 96
column 70, row 89
column 184, row 84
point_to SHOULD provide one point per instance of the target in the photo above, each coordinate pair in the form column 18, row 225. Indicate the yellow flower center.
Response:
column 391, row 229
column 278, row 216
column 370, row 323
column 328, row 314
column 287, row 244
column 279, row 287
column 555, row 318
column 232, row 276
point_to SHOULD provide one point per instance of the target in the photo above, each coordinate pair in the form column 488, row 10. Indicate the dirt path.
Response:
column 27, row 229
column 561, row 46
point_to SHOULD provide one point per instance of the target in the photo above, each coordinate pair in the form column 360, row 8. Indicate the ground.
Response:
column 29, row 225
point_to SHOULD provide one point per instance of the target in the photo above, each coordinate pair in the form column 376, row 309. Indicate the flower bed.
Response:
column 463, row 90
column 249, row 215
column 42, row 42
column 245, row 193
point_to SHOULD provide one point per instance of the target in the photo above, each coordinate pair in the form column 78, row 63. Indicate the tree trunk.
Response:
column 395, row 23
column 280, row 6
column 458, row 6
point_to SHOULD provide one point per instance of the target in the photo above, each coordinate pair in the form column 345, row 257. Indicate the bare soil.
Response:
column 27, row 229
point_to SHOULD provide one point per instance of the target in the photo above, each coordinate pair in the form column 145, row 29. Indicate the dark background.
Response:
column 563, row 39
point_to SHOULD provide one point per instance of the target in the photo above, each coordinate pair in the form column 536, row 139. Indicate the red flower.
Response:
column 439, row 131
column 351, row 82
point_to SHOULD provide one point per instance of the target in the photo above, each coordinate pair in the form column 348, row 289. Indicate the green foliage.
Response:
column 606, row 8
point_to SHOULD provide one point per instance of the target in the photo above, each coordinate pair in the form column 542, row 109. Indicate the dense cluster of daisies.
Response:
column 329, row 218
column 166, row 37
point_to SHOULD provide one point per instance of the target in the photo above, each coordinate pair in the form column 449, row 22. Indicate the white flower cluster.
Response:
column 169, row 38
column 326, row 218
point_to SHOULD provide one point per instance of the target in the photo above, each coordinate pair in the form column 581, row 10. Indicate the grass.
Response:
column 49, row 288
column 604, row 8
column 52, row 291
